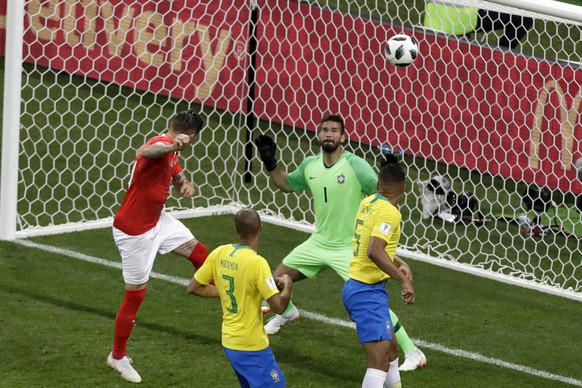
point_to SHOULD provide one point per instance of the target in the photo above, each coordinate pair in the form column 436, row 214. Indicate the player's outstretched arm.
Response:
column 203, row 290
column 267, row 149
column 279, row 302
column 279, row 178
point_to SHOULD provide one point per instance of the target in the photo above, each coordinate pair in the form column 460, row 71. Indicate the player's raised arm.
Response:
column 157, row 150
column 267, row 149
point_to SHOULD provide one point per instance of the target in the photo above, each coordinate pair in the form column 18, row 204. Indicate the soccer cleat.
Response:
column 124, row 368
column 412, row 361
column 265, row 308
column 275, row 324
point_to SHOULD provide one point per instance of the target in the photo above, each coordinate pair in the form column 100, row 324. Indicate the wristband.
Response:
column 271, row 165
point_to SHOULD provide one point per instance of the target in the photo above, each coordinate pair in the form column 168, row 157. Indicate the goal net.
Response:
column 489, row 135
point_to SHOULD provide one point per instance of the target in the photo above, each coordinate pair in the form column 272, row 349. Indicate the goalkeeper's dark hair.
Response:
column 336, row 119
column 391, row 172
column 188, row 122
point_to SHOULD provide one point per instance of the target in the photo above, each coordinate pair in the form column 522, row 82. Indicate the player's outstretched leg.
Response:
column 413, row 357
column 274, row 325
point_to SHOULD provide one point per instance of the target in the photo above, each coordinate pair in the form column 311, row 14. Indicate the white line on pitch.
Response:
column 456, row 352
column 321, row 318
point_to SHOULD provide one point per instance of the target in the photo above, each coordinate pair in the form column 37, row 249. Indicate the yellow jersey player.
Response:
column 337, row 180
column 376, row 235
column 242, row 280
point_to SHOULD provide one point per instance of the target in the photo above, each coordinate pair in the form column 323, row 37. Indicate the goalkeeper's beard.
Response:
column 329, row 147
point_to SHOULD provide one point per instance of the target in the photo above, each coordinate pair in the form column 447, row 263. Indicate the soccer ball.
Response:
column 401, row 50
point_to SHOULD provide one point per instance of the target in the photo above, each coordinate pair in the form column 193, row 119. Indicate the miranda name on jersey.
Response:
column 232, row 265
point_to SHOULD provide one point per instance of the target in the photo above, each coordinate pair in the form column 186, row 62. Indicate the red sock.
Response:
column 125, row 320
column 198, row 255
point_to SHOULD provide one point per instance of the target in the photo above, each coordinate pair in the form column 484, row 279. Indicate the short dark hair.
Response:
column 187, row 121
column 247, row 222
column 336, row 119
column 391, row 172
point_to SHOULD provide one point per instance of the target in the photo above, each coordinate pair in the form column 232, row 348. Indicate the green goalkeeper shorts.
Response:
column 311, row 258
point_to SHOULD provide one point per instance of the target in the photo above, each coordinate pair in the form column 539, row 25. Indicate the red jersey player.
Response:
column 141, row 228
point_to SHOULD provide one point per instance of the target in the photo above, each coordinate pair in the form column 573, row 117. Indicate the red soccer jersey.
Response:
column 148, row 190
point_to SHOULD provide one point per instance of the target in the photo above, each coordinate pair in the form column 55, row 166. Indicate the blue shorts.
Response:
column 256, row 368
column 367, row 305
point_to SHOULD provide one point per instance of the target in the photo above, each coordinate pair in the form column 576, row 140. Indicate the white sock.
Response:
column 374, row 378
column 393, row 376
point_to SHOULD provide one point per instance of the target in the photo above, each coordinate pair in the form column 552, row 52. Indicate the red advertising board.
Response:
column 469, row 105
column 3, row 11
column 182, row 48
column 464, row 104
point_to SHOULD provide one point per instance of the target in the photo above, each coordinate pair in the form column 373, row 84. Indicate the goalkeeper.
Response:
column 338, row 181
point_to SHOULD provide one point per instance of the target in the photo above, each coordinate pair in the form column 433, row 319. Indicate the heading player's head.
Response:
column 391, row 179
column 331, row 133
column 187, row 122
column 247, row 223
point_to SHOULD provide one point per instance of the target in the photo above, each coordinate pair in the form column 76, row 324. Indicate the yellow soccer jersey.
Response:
column 379, row 218
column 243, row 279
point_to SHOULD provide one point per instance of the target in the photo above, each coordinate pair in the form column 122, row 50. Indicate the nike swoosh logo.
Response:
column 312, row 177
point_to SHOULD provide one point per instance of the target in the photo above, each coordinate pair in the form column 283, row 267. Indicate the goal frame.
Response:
column 10, row 155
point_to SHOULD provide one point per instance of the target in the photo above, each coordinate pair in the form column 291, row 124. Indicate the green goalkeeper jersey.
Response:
column 337, row 192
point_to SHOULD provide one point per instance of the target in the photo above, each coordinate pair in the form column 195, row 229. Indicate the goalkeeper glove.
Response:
column 267, row 147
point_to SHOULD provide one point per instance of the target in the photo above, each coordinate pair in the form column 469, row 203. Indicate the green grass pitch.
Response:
column 57, row 312
column 58, row 316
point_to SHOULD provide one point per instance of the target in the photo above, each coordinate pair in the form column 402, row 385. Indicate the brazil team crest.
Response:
column 275, row 375
column 341, row 179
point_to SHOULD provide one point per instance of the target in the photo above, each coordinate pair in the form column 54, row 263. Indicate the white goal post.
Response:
column 86, row 82
column 11, row 119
